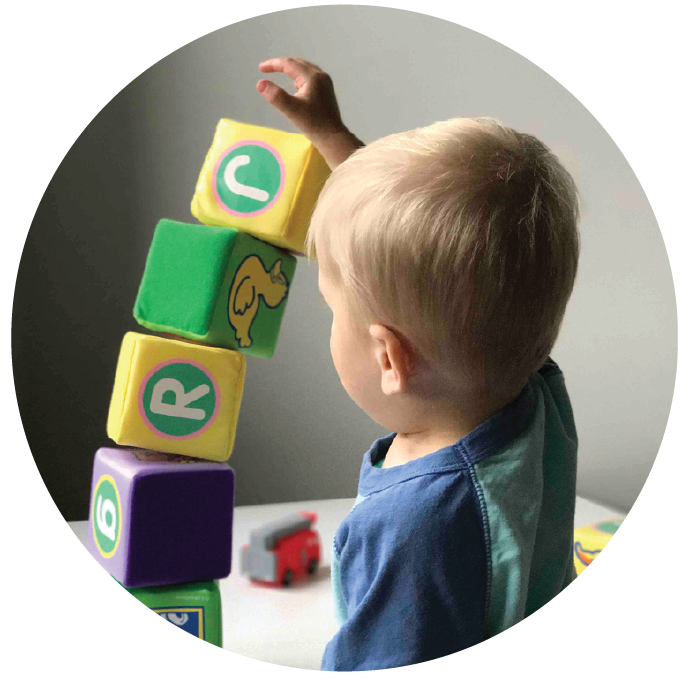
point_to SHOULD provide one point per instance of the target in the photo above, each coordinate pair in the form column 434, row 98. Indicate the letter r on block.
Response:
column 180, row 408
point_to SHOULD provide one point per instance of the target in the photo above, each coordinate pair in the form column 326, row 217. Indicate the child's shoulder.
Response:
column 422, row 497
column 549, row 368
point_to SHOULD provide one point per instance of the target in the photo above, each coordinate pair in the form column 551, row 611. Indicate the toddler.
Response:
column 447, row 255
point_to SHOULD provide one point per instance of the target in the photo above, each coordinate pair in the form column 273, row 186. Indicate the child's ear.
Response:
column 394, row 357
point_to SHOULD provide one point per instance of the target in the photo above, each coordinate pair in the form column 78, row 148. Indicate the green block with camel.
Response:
column 218, row 286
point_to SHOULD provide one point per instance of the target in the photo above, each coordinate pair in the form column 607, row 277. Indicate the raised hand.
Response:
column 313, row 109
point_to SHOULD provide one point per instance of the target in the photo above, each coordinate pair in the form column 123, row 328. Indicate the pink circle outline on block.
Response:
column 144, row 383
column 214, row 176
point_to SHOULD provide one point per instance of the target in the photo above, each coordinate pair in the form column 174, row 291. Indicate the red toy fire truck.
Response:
column 283, row 551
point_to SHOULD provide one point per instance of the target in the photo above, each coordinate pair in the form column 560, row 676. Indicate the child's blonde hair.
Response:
column 463, row 236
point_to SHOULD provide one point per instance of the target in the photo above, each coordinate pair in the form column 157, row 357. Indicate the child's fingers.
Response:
column 293, row 68
column 279, row 98
column 310, row 65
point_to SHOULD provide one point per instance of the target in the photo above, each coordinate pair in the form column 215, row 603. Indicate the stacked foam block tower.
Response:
column 161, row 509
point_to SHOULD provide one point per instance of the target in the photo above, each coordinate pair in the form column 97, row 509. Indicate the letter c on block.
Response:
column 242, row 189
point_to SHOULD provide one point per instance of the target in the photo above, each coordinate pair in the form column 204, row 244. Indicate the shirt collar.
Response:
column 491, row 436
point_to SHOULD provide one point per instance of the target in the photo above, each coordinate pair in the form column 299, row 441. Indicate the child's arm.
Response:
column 313, row 109
column 410, row 572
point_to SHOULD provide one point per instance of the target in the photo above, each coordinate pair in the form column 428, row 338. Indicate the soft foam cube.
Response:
column 192, row 607
column 176, row 397
column 262, row 181
column 591, row 539
column 218, row 286
column 156, row 519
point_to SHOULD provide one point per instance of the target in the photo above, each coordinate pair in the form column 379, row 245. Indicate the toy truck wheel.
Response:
column 287, row 577
column 313, row 565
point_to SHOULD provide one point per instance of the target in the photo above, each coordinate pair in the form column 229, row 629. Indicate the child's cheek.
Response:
column 332, row 343
column 338, row 357
column 335, row 356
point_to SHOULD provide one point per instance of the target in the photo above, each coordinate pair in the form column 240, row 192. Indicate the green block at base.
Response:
column 194, row 607
column 216, row 285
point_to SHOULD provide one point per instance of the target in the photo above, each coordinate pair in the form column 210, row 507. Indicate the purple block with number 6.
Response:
column 157, row 519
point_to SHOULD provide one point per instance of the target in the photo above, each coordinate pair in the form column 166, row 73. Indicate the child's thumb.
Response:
column 277, row 97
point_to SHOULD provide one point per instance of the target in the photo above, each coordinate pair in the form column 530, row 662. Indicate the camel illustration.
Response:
column 251, row 282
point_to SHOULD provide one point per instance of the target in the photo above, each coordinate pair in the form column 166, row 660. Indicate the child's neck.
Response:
column 438, row 428
column 408, row 446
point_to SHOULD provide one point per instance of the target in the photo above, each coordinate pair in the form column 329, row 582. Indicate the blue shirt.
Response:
column 447, row 550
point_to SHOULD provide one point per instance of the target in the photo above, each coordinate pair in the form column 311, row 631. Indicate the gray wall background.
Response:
column 299, row 436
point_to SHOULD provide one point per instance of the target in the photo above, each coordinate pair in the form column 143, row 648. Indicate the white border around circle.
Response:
column 625, row 615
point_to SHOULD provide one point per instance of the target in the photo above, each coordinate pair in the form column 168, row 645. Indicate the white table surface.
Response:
column 291, row 626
